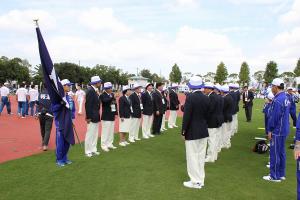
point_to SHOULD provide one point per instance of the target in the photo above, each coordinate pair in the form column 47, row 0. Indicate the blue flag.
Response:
column 60, row 105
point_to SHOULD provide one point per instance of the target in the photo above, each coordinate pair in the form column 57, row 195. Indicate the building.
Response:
column 138, row 79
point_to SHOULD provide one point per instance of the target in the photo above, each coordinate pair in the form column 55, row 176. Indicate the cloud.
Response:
column 293, row 15
column 256, row 2
column 22, row 21
column 97, row 19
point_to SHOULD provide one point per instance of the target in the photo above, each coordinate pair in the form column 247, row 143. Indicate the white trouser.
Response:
column 80, row 103
column 134, row 129
column 218, row 141
column 163, row 122
column 226, row 134
column 172, row 118
column 234, row 124
column 146, row 125
column 212, row 144
column 195, row 157
column 91, row 137
column 107, row 134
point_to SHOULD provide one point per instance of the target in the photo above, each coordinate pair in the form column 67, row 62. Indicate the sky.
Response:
column 135, row 34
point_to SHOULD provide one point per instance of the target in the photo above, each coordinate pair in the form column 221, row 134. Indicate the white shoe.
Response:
column 96, row 153
column 137, row 139
column 146, row 137
column 162, row 130
column 112, row 147
column 89, row 155
column 165, row 129
column 151, row 135
column 127, row 143
column 171, row 127
column 268, row 166
column 122, row 144
column 132, row 141
column 269, row 178
column 105, row 149
column 208, row 159
column 190, row 184
column 282, row 178
column 175, row 126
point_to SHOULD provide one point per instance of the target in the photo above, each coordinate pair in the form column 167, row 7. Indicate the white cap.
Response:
column 125, row 87
column 290, row 88
column 231, row 85
column 66, row 82
column 174, row 85
column 209, row 85
column 236, row 85
column 218, row 86
column 277, row 82
column 6, row 83
column 95, row 80
column 225, row 88
column 195, row 82
column 107, row 85
column 136, row 85
column 270, row 95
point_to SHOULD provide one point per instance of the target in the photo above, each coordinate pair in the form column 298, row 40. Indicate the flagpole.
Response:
column 36, row 21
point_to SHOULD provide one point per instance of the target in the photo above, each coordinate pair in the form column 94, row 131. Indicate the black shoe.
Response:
column 292, row 146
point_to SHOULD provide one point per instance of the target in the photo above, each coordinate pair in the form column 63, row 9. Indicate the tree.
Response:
column 244, row 74
column 233, row 77
column 209, row 77
column 175, row 75
column 287, row 76
column 147, row 74
column 221, row 73
column 297, row 68
column 270, row 72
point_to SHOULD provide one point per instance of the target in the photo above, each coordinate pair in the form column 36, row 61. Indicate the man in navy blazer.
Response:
column 195, row 133
column 92, row 107
column 147, row 101
column 137, row 108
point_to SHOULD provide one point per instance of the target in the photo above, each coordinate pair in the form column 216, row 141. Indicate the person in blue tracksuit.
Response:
column 62, row 144
column 278, row 130
column 297, row 155
column 291, row 96
column 266, row 109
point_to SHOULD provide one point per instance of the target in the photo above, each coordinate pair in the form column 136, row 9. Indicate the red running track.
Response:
column 21, row 137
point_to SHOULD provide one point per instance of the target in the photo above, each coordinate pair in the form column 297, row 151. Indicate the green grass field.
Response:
column 150, row 169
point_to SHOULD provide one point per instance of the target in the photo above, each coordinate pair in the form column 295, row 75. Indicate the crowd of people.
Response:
column 209, row 118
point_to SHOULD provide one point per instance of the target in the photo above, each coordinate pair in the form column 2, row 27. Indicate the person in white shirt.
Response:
column 80, row 96
column 4, row 98
column 22, row 96
column 33, row 98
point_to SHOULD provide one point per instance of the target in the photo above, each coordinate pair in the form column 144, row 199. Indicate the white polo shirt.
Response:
column 22, row 93
column 33, row 94
column 4, row 91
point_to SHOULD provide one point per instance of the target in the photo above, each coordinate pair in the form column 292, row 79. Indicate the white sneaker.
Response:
column 112, row 147
column 175, row 126
column 105, row 149
column 171, row 127
column 146, row 137
column 165, row 129
column 96, row 153
column 190, row 184
column 282, row 178
column 89, row 155
column 269, row 178
column 127, row 143
column 268, row 166
column 208, row 159
column 151, row 135
column 122, row 144
column 137, row 139
column 132, row 141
